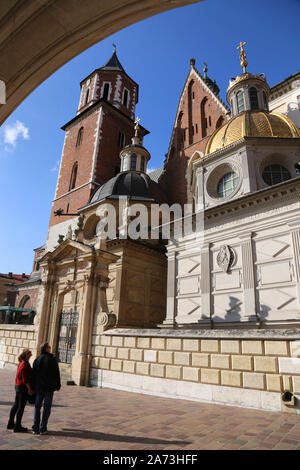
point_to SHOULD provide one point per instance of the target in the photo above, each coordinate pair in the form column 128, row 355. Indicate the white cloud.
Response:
column 13, row 131
column 149, row 170
column 56, row 166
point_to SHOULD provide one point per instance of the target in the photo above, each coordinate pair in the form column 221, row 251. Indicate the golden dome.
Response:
column 251, row 124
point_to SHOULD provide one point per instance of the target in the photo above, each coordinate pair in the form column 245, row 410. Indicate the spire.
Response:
column 211, row 84
column 113, row 63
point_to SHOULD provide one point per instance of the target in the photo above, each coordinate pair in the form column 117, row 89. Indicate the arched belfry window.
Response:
column 87, row 96
column 240, row 101
column 253, row 98
column 79, row 137
column 105, row 91
column 125, row 98
column 73, row 176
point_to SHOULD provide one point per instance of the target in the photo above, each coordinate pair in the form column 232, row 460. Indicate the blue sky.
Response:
column 156, row 54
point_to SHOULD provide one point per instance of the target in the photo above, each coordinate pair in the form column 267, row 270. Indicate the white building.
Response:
column 285, row 98
column 246, row 270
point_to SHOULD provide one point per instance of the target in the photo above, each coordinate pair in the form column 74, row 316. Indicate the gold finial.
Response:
column 205, row 69
column 244, row 63
column 115, row 48
column 136, row 127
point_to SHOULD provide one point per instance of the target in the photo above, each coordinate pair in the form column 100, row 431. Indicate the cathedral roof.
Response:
column 252, row 124
column 136, row 186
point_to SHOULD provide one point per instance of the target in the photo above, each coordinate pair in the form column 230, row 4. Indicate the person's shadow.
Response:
column 100, row 436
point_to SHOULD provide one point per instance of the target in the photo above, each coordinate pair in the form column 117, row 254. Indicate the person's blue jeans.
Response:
column 46, row 397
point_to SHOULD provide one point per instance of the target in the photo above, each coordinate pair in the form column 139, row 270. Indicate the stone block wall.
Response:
column 13, row 339
column 252, row 372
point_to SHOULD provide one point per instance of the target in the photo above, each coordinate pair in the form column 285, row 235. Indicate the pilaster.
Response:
column 295, row 236
column 205, row 281
column 171, row 291
column 248, row 277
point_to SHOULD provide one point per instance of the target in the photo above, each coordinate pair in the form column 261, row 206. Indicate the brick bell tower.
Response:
column 103, row 125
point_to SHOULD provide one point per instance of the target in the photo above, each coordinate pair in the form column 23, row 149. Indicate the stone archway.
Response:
column 38, row 37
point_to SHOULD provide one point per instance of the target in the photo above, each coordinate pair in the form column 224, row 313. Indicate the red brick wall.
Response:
column 33, row 297
column 197, row 108
column 107, row 158
column 118, row 81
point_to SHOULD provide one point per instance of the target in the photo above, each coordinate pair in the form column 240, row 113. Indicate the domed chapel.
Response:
column 212, row 315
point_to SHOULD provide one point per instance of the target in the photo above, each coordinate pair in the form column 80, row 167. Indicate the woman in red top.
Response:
column 23, row 389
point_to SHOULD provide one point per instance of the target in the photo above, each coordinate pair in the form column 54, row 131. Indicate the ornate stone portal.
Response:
column 75, row 276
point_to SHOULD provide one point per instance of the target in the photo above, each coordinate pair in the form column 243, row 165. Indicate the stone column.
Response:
column 170, row 320
column 205, row 283
column 248, row 277
column 200, row 188
column 80, row 361
column 44, row 314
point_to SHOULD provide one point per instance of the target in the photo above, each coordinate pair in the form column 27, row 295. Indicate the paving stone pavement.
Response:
column 90, row 418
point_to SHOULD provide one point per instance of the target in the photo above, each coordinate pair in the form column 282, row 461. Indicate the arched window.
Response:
column 203, row 117
column 125, row 98
column 265, row 101
column 227, row 184
column 190, row 112
column 274, row 174
column 73, row 176
column 121, row 139
column 87, row 96
column 125, row 163
column 219, row 122
column 240, row 101
column 79, row 137
column 24, row 301
column 133, row 162
column 105, row 91
column 253, row 98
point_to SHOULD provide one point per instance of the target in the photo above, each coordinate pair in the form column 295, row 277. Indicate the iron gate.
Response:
column 68, row 324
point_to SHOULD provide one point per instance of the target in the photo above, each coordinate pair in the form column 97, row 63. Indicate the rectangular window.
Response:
column 196, row 128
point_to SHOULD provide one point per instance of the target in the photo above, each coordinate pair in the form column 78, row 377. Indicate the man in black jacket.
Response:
column 46, row 381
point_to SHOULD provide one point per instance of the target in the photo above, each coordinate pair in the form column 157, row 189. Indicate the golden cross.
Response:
column 136, row 122
column 241, row 46
column 244, row 63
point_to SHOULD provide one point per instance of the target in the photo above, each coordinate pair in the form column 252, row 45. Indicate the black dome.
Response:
column 136, row 186
column 212, row 85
